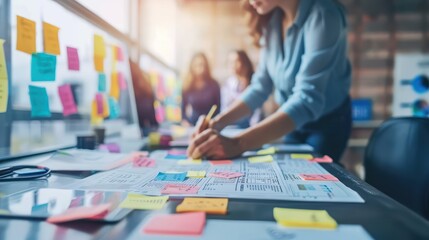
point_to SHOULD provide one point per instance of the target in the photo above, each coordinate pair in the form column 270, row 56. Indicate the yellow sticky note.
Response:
column 267, row 151
column 95, row 118
column 114, row 86
column 304, row 218
column 99, row 46
column 208, row 205
column 301, row 156
column 4, row 90
column 190, row 162
column 261, row 159
column 51, row 44
column 196, row 174
column 26, row 35
column 143, row 202
column 154, row 138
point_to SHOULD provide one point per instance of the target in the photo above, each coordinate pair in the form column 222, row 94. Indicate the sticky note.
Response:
column 267, row 151
column 304, row 218
column 105, row 106
column 26, row 35
column 51, row 43
column 181, row 152
column 113, row 108
column 100, row 104
column 43, row 67
column 301, row 156
column 177, row 224
column 208, row 205
column 179, row 189
column 73, row 59
column 196, row 174
column 324, row 159
column 80, row 213
column 101, row 82
column 227, row 175
column 99, row 63
column 114, row 86
column 121, row 81
column 189, row 162
column 220, row 162
column 119, row 54
column 261, row 159
column 4, row 85
column 95, row 118
column 176, row 156
column 154, row 138
column 143, row 202
column 143, row 162
column 163, row 176
column 39, row 101
column 318, row 177
column 99, row 46
column 67, row 100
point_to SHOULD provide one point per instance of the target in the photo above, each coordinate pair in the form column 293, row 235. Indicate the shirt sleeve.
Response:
column 322, row 38
column 261, row 85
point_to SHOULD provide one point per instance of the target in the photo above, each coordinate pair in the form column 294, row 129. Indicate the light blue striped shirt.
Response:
column 309, row 71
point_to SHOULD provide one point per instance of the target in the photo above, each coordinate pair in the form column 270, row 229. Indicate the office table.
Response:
column 381, row 216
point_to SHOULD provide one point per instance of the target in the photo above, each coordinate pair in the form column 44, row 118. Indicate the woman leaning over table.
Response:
column 304, row 60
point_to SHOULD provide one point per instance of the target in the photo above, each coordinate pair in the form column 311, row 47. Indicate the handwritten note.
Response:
column 67, row 100
column 304, row 218
column 114, row 86
column 301, row 156
column 101, row 82
column 26, row 35
column 51, row 43
column 143, row 162
column 39, row 102
column 179, row 189
column 208, row 205
column 196, row 174
column 4, row 85
column 324, row 159
column 190, row 162
column 174, row 177
column 261, row 159
column 220, row 162
column 73, row 59
column 176, row 224
column 121, row 81
column 267, row 151
column 79, row 213
column 227, row 175
column 43, row 67
column 113, row 108
column 143, row 202
column 318, row 177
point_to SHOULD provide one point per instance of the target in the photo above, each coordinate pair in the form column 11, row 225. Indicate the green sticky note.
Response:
column 39, row 102
column 101, row 82
column 304, row 218
column 143, row 202
column 43, row 67
column 261, row 159
column 301, row 156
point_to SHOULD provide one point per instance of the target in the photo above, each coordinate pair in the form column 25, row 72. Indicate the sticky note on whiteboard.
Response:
column 67, row 99
column 39, row 102
column 43, row 67
column 26, row 35
column 4, row 89
column 51, row 43
column 73, row 59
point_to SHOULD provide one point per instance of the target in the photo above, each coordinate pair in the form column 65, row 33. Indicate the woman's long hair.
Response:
column 246, row 65
column 255, row 22
column 190, row 76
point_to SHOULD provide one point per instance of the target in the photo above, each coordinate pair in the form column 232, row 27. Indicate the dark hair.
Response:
column 247, row 66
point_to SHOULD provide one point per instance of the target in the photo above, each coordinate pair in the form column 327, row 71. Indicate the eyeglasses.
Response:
column 24, row 172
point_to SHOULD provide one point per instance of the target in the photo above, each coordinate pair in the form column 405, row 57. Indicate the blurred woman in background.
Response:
column 241, row 69
column 200, row 90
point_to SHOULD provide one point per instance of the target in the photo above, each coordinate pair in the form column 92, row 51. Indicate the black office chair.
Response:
column 397, row 161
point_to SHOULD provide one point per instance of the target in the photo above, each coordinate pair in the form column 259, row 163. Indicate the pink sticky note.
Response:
column 122, row 82
column 318, row 177
column 177, row 152
column 143, row 162
column 228, row 175
column 324, row 159
column 100, row 103
column 72, row 214
column 119, row 54
column 67, row 100
column 177, row 224
column 73, row 59
column 179, row 189
column 220, row 162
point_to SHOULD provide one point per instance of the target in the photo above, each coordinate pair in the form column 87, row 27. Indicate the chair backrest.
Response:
column 397, row 161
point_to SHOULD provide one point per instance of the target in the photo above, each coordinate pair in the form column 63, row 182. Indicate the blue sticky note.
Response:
column 39, row 102
column 101, row 82
column 174, row 177
column 176, row 156
column 43, row 67
column 113, row 108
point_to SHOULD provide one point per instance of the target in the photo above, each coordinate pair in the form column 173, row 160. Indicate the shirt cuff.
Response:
column 295, row 109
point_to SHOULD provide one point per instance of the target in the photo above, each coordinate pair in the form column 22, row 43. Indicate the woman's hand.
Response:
column 211, row 144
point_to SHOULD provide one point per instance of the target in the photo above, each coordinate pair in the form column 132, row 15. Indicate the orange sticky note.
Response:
column 220, row 162
column 4, row 89
column 95, row 118
column 208, row 205
column 106, row 111
column 99, row 64
column 318, row 177
column 26, row 35
column 177, row 224
column 51, row 44
column 114, row 86
column 80, row 213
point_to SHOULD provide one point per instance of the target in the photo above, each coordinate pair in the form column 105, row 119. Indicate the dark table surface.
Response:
column 381, row 216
